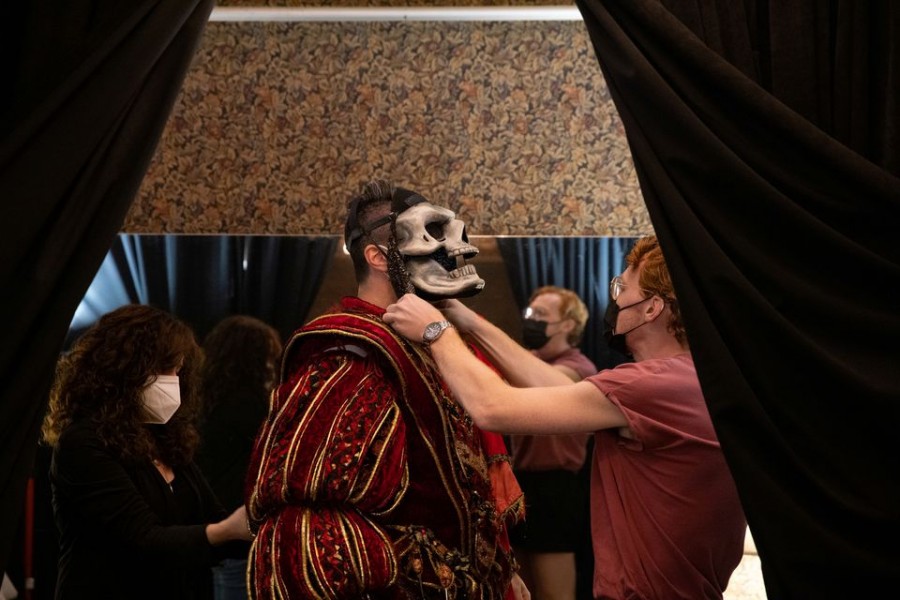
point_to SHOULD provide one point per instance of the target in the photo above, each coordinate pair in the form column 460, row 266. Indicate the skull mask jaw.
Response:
column 434, row 248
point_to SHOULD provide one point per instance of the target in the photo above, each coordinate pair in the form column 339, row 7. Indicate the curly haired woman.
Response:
column 135, row 516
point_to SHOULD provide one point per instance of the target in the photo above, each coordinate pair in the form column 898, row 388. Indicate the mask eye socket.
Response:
column 436, row 229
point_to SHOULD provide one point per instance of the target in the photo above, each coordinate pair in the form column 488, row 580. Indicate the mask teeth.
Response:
column 462, row 271
column 466, row 249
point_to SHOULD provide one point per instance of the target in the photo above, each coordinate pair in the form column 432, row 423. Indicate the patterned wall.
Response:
column 508, row 123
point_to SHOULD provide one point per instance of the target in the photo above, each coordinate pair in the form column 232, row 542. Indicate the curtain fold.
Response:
column 93, row 83
column 779, row 225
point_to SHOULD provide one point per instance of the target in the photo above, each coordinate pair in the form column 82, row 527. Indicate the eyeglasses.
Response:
column 531, row 315
column 616, row 285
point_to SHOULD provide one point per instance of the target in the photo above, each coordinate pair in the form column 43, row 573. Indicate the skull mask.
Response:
column 434, row 248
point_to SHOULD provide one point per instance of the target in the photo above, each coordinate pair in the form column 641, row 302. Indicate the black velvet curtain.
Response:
column 584, row 265
column 204, row 278
column 765, row 137
column 89, row 86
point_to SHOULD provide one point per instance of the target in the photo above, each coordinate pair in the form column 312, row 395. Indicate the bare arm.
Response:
column 518, row 365
column 233, row 527
column 495, row 405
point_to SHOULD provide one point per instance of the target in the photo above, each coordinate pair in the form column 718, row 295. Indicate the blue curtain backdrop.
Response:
column 203, row 279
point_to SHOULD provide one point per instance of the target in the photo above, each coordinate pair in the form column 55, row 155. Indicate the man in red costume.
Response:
column 367, row 479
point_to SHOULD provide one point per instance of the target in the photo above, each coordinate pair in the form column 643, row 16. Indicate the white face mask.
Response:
column 162, row 397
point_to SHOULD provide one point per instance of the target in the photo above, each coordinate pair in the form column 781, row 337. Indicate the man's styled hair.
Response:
column 362, row 227
column 653, row 276
column 570, row 307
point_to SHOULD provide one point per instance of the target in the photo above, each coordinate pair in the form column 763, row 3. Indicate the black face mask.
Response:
column 534, row 334
column 615, row 340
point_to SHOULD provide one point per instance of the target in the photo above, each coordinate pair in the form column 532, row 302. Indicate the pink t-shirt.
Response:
column 548, row 452
column 665, row 514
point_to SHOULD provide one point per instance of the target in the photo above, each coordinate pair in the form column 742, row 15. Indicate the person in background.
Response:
column 666, row 518
column 368, row 480
column 241, row 356
column 136, row 517
column 548, row 466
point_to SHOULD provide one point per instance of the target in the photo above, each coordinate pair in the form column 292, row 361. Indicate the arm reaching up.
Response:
column 520, row 367
column 493, row 404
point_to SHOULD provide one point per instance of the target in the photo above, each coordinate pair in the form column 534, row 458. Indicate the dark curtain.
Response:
column 584, row 265
column 205, row 278
column 765, row 137
column 283, row 277
column 89, row 86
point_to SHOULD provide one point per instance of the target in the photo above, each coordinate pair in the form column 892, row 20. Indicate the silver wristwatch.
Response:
column 434, row 330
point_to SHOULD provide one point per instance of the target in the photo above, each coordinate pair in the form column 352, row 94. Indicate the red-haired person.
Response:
column 666, row 518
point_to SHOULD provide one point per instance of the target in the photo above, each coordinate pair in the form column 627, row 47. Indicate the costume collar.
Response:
column 358, row 305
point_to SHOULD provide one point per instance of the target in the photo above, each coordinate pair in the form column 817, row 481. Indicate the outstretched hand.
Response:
column 409, row 315
column 232, row 527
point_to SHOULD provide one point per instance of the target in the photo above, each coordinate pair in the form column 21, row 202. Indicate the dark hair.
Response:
column 240, row 353
column 372, row 203
column 102, row 377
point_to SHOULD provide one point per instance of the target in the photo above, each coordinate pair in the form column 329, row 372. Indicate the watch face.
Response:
column 433, row 330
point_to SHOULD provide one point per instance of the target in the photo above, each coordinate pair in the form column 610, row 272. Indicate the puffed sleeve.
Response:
column 328, row 461
column 93, row 488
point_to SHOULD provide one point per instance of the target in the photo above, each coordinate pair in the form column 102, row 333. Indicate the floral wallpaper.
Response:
column 278, row 124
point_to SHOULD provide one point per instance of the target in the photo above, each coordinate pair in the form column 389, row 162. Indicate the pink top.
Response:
column 548, row 452
column 665, row 514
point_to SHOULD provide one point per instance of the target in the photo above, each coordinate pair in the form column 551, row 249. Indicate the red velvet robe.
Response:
column 369, row 481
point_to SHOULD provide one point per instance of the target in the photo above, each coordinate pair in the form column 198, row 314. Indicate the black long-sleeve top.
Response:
column 124, row 532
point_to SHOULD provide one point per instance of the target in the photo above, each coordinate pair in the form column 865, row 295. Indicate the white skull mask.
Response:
column 435, row 249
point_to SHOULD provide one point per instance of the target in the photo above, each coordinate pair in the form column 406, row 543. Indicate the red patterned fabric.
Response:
column 368, row 479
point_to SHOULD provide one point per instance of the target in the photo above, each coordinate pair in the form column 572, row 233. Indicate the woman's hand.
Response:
column 520, row 590
column 233, row 527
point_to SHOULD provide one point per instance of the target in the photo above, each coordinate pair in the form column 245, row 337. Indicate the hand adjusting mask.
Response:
column 428, row 249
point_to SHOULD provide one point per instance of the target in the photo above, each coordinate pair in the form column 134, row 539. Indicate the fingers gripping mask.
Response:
column 434, row 249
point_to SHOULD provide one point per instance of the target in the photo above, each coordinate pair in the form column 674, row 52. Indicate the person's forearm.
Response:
column 520, row 367
column 217, row 533
column 475, row 386
column 234, row 527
